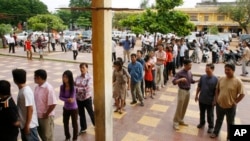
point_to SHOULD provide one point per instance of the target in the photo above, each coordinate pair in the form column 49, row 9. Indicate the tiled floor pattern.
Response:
column 153, row 122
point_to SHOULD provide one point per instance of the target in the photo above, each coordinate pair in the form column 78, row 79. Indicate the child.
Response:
column 148, row 76
column 28, row 48
column 70, row 109
column 9, row 123
column 40, row 47
column 74, row 49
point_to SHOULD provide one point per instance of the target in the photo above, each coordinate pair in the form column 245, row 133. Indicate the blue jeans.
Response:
column 33, row 136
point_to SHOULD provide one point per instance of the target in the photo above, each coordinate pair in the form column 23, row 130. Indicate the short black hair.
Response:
column 133, row 54
column 230, row 65
column 41, row 73
column 146, row 58
column 210, row 65
column 4, row 87
column 186, row 61
column 140, row 51
column 19, row 76
column 83, row 64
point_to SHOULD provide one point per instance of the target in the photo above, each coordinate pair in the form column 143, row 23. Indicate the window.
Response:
column 193, row 17
column 206, row 18
column 220, row 18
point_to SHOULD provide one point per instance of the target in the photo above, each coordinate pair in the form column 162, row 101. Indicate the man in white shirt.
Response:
column 113, row 51
column 11, row 42
column 26, row 107
column 74, row 49
column 62, row 41
column 183, row 49
column 175, row 53
column 161, row 58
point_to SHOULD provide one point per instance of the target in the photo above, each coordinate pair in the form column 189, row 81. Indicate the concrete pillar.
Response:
column 102, row 68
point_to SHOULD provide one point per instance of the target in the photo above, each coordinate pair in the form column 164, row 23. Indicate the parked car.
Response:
column 210, row 39
column 116, row 34
column 87, row 35
column 21, row 37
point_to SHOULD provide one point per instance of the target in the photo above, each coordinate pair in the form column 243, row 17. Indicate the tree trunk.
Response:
column 245, row 29
column 3, row 41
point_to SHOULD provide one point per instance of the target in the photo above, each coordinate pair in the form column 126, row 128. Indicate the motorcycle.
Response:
column 205, row 55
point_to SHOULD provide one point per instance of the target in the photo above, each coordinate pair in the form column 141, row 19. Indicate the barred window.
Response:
column 193, row 17
column 220, row 18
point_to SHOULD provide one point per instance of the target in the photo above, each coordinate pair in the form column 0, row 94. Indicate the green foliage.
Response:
column 117, row 18
column 213, row 30
column 77, row 14
column 83, row 22
column 44, row 21
column 16, row 11
column 5, row 29
column 239, row 13
column 144, row 4
column 65, row 15
column 167, row 4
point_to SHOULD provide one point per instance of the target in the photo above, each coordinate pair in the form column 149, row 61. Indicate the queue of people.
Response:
column 34, row 112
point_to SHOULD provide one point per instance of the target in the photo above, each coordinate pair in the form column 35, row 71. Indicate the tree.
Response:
column 4, row 29
column 65, row 15
column 213, row 30
column 239, row 13
column 83, row 22
column 116, row 21
column 163, row 20
column 46, row 21
column 144, row 4
column 75, row 14
column 18, row 11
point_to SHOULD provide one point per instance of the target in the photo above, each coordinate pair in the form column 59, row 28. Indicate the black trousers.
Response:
column 82, row 105
column 210, row 114
column 53, row 46
column 154, row 85
column 181, row 61
column 75, row 53
column 12, row 47
column 34, row 48
column 63, row 47
column 142, row 88
column 174, row 66
column 230, row 115
column 214, row 56
column 113, row 56
column 66, row 115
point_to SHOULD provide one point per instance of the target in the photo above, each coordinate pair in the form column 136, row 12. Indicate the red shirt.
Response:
column 170, row 56
column 148, row 72
column 28, row 44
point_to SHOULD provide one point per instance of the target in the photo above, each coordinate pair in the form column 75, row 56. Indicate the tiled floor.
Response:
column 153, row 122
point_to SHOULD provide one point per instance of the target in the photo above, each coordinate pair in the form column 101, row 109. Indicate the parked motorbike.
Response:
column 205, row 55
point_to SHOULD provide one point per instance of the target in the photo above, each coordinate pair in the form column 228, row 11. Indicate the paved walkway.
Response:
column 153, row 122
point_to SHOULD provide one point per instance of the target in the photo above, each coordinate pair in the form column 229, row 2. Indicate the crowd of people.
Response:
column 34, row 111
column 224, row 93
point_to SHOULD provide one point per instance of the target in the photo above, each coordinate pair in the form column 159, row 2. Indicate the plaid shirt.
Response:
column 83, row 87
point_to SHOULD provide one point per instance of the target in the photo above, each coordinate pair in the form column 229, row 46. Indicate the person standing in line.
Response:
column 40, row 47
column 205, row 93
column 175, row 53
column 74, row 49
column 11, row 42
column 26, row 107
column 152, row 60
column 183, row 49
column 62, row 42
column 126, row 49
column 139, row 59
column 83, row 84
column 184, row 79
column 9, row 122
column 46, row 101
column 121, row 83
column 113, row 51
column 70, row 109
column 136, row 73
column 245, row 58
column 215, row 50
column 28, row 48
column 53, row 42
column 196, row 52
column 229, row 92
column 161, row 58
column 148, row 77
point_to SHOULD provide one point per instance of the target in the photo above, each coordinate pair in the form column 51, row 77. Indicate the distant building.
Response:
column 206, row 14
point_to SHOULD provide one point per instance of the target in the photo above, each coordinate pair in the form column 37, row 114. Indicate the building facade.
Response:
column 205, row 14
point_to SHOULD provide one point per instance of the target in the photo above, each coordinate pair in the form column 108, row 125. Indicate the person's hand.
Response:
column 70, row 100
column 128, row 88
column 26, row 130
column 214, row 103
column 196, row 98
column 183, row 80
column 45, row 115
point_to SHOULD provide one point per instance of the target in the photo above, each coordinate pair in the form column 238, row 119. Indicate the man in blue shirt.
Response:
column 126, row 49
column 205, row 95
column 136, row 72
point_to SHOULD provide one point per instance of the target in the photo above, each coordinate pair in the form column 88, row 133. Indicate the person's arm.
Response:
column 28, row 119
column 241, row 94
column 197, row 94
column 50, row 109
column 61, row 95
column 216, row 95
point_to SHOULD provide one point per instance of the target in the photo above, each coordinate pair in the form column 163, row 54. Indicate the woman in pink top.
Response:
column 83, row 84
